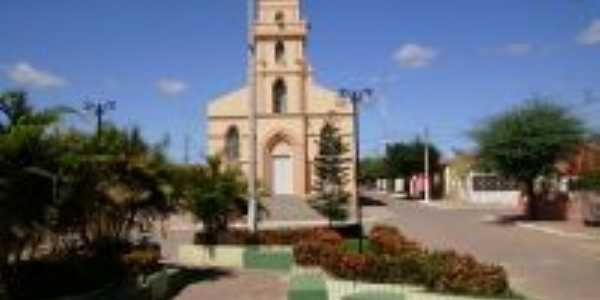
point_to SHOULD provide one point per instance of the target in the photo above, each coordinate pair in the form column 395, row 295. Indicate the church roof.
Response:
column 230, row 104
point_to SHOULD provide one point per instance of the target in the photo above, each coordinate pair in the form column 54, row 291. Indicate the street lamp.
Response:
column 99, row 108
column 356, row 97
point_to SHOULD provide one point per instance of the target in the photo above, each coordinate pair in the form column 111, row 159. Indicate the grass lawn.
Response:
column 267, row 260
column 307, row 287
column 351, row 245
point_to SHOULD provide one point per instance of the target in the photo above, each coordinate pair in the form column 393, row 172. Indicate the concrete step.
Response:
column 290, row 208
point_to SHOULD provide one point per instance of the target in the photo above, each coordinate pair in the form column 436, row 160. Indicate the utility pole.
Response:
column 357, row 97
column 252, row 203
column 99, row 109
column 427, row 186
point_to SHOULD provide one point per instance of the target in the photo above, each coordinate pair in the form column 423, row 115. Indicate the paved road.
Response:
column 541, row 265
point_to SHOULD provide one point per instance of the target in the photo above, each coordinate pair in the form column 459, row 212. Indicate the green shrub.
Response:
column 352, row 245
column 589, row 182
column 406, row 268
column 307, row 288
column 334, row 206
column 58, row 277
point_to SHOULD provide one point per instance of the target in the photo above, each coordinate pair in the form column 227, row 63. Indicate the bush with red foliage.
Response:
column 396, row 259
column 448, row 271
column 389, row 240
column 318, row 247
column 276, row 237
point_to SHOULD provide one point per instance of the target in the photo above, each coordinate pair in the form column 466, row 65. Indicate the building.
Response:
column 585, row 160
column 291, row 108
column 464, row 182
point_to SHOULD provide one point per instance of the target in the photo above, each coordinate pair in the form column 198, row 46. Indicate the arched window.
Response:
column 232, row 144
column 279, row 97
column 280, row 19
column 279, row 52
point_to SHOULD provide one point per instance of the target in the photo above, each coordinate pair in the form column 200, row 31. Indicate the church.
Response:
column 291, row 108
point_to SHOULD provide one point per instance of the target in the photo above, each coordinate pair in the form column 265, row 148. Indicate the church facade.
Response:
column 291, row 108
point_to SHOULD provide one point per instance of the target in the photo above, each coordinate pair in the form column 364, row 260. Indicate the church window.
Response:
column 279, row 97
column 279, row 52
column 232, row 144
column 280, row 19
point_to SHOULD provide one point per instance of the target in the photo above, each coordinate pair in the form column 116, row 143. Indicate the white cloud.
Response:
column 25, row 74
column 414, row 56
column 590, row 35
column 171, row 87
column 516, row 49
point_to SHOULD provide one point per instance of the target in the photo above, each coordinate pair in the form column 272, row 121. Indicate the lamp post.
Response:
column 427, row 195
column 99, row 109
column 356, row 97
column 252, row 118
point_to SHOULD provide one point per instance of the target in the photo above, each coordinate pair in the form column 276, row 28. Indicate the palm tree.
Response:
column 26, row 151
column 112, row 188
column 213, row 195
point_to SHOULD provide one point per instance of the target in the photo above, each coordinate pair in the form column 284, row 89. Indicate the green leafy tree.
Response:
column 213, row 194
column 111, row 189
column 403, row 160
column 407, row 159
column 371, row 169
column 63, row 189
column 27, row 164
column 331, row 169
column 526, row 142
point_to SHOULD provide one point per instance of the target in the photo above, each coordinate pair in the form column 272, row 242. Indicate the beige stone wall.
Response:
column 289, row 126
column 267, row 9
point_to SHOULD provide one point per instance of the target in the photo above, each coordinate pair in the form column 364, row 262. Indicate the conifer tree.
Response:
column 331, row 168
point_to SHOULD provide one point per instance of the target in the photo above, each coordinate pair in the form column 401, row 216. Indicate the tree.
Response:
column 65, row 190
column 407, row 159
column 110, row 189
column 212, row 195
column 527, row 141
column 27, row 164
column 404, row 160
column 372, row 168
column 331, row 168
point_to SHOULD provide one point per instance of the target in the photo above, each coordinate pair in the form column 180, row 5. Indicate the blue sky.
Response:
column 442, row 64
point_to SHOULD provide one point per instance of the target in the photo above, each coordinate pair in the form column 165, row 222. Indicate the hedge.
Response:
column 589, row 182
column 286, row 237
column 397, row 259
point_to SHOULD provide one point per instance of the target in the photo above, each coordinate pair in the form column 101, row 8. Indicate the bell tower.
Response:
column 268, row 127
column 279, row 34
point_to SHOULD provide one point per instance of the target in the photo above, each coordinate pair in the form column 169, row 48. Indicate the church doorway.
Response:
column 282, row 170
